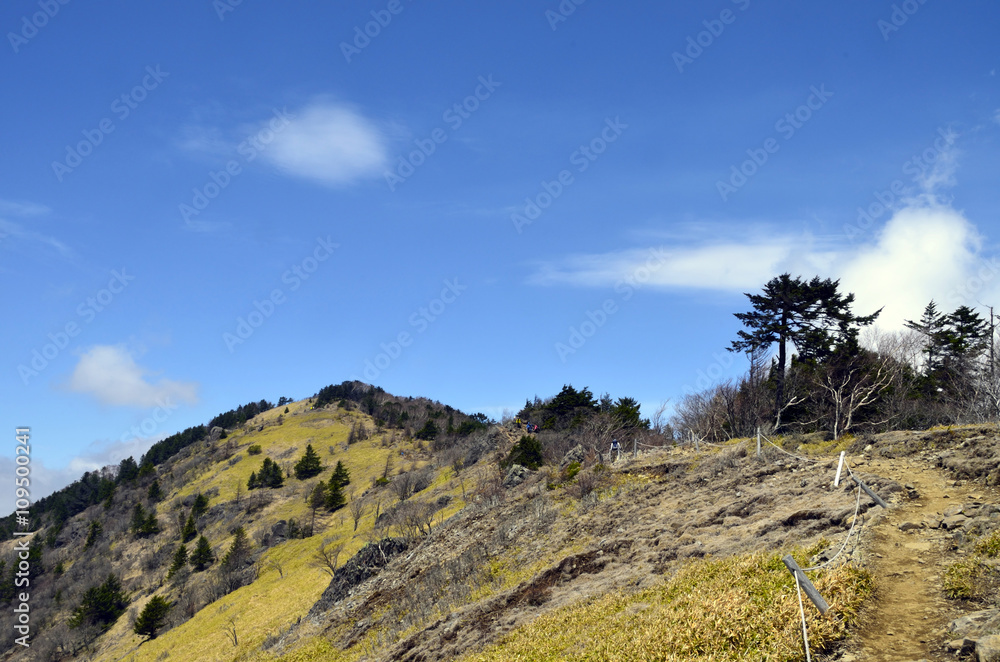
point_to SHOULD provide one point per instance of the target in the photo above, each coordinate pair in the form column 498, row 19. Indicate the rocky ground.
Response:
column 527, row 549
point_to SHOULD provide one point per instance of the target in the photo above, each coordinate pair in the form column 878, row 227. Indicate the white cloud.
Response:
column 926, row 251
column 46, row 480
column 720, row 266
column 329, row 143
column 922, row 253
column 110, row 374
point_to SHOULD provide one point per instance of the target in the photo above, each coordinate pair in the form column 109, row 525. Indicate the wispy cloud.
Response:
column 331, row 144
column 110, row 374
column 926, row 250
column 11, row 230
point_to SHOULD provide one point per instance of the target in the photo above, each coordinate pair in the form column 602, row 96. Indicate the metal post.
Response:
column 758, row 443
column 868, row 490
column 840, row 467
column 806, row 585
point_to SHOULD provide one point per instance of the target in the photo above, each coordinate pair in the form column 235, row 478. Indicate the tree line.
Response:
column 815, row 365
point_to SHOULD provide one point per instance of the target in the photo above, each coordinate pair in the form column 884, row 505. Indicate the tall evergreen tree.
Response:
column 180, row 560
column 812, row 315
column 101, row 605
column 335, row 495
column 239, row 551
column 202, row 557
column 189, row 531
column 152, row 617
column 341, row 475
column 309, row 465
column 155, row 493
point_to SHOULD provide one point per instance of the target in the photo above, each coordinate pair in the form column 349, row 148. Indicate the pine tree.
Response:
column 152, row 617
column 309, row 465
column 155, row 493
column 341, row 475
column 138, row 519
column 101, row 605
column 812, row 315
column 253, row 482
column 202, row 557
column 239, row 551
column 200, row 505
column 189, row 531
column 335, row 495
column 180, row 560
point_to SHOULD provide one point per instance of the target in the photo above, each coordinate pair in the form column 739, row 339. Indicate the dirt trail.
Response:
column 911, row 611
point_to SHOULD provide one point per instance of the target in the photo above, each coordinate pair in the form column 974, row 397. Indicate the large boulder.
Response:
column 988, row 648
column 976, row 623
column 575, row 454
column 515, row 476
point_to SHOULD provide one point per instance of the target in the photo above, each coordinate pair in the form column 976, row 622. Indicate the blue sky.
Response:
column 205, row 203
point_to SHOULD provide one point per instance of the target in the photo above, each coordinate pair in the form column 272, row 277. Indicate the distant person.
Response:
column 616, row 449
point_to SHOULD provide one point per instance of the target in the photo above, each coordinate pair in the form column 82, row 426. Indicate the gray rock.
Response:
column 975, row 623
column 953, row 522
column 215, row 433
column 952, row 511
column 575, row 454
column 988, row 648
column 515, row 476
column 910, row 526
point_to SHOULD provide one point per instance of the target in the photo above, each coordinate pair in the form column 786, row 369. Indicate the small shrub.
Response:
column 254, row 450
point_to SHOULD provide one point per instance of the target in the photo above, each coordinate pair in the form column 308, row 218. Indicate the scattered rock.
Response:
column 215, row 433
column 910, row 526
column 953, row 522
column 516, row 475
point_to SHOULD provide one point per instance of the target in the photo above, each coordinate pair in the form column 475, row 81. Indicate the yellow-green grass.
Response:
column 273, row 602
column 738, row 608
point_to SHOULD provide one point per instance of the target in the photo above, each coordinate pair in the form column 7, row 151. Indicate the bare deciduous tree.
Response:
column 327, row 555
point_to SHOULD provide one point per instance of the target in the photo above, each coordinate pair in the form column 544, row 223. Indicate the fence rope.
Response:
column 854, row 523
column 798, row 457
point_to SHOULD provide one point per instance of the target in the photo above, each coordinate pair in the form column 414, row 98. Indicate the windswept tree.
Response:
column 813, row 316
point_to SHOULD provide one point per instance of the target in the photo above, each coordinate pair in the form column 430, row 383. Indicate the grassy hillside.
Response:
column 671, row 555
